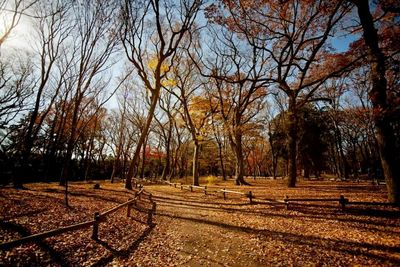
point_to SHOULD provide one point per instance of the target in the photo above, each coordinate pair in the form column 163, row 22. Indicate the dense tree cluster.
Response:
column 232, row 88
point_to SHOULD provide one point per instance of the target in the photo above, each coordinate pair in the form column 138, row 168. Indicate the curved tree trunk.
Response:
column 142, row 138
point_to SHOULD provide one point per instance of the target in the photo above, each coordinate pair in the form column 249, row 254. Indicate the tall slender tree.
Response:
column 151, row 33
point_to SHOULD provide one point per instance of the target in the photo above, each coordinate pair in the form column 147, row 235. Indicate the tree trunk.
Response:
column 292, row 139
column 221, row 161
column 70, row 147
column 237, row 148
column 167, row 168
column 196, row 163
column 306, row 171
column 343, row 165
column 143, row 159
column 143, row 136
column 114, row 169
column 389, row 154
column 273, row 155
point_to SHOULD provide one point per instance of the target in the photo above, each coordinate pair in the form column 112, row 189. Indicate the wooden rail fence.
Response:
column 286, row 200
column 97, row 219
column 206, row 190
column 248, row 195
column 342, row 200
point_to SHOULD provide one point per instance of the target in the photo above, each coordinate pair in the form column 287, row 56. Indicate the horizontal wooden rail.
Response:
column 372, row 203
column 174, row 184
column 341, row 200
column 200, row 187
column 232, row 192
column 121, row 205
column 34, row 237
column 311, row 199
column 249, row 194
column 97, row 218
column 203, row 188
column 182, row 186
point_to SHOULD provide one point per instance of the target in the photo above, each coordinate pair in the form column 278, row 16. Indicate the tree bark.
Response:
column 70, row 146
column 381, row 108
column 196, row 163
column 143, row 159
column 143, row 136
column 237, row 147
column 273, row 155
column 221, row 161
column 292, row 140
column 167, row 168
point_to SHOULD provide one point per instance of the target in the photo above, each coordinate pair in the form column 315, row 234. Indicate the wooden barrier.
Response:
column 97, row 219
column 249, row 194
column 203, row 188
column 13, row 243
column 341, row 200
column 182, row 186
column 286, row 201
column 371, row 203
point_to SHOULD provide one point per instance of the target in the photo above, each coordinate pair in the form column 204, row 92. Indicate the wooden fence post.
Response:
column 191, row 188
column 286, row 202
column 150, row 214
column 151, row 197
column 128, row 210
column 223, row 193
column 205, row 190
column 250, row 195
column 342, row 202
column 95, row 233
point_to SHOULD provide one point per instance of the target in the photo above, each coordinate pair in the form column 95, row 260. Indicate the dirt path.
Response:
column 202, row 233
column 196, row 230
column 193, row 230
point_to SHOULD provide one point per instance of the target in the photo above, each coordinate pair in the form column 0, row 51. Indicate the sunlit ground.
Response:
column 193, row 228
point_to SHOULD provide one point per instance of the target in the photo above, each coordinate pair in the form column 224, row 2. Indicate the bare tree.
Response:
column 52, row 31
column 11, row 13
column 17, row 81
column 151, row 33
column 235, row 71
column 94, row 41
column 196, row 110
column 166, row 128
column 294, row 35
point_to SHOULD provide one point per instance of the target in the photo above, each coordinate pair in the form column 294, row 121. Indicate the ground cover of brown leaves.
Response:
column 41, row 208
column 193, row 229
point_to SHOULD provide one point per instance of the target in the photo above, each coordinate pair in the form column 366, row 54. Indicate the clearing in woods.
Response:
column 193, row 229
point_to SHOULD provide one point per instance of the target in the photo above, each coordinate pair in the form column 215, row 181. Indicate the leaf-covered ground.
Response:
column 193, row 229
